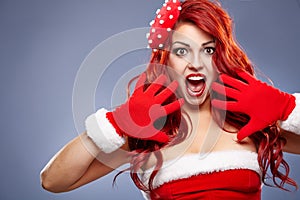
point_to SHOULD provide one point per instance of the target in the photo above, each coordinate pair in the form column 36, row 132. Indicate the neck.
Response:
column 204, row 130
column 199, row 112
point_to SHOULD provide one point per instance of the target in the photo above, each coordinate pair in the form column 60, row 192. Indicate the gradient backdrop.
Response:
column 42, row 46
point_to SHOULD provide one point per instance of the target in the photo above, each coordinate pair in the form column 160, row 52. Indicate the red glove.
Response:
column 136, row 117
column 264, row 104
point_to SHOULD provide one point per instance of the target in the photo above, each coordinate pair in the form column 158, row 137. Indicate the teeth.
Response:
column 195, row 78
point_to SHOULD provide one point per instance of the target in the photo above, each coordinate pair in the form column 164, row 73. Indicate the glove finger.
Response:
column 244, row 132
column 233, row 82
column 156, row 85
column 172, row 107
column 225, row 105
column 140, row 82
column 246, row 76
column 226, row 91
column 251, row 127
column 166, row 93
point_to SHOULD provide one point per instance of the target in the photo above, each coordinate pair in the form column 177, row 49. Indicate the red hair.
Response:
column 228, row 58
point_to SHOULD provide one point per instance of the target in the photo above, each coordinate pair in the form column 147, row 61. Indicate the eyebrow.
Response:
column 178, row 42
column 185, row 44
column 206, row 43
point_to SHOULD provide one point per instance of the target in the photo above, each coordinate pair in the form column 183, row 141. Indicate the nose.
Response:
column 196, row 64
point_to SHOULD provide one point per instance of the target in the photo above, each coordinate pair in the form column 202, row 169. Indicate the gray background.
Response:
column 42, row 45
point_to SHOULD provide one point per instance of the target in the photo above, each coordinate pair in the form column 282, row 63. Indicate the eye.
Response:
column 209, row 50
column 180, row 51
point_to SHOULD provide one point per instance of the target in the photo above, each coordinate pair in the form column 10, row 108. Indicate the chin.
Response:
column 195, row 101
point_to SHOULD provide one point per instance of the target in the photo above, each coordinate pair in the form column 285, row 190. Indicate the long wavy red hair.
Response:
column 228, row 58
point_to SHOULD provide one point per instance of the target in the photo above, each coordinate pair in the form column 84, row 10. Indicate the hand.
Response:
column 136, row 117
column 264, row 104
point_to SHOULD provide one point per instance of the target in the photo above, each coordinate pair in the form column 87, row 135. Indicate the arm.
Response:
column 293, row 142
column 75, row 165
column 290, row 128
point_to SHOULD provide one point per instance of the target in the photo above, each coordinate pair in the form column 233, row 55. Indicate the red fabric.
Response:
column 263, row 103
column 163, row 23
column 239, row 184
column 111, row 120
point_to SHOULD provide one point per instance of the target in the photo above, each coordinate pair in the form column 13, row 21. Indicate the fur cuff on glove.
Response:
column 292, row 123
column 101, row 131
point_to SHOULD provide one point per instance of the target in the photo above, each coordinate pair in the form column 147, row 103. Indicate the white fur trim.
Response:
column 292, row 123
column 195, row 164
column 101, row 131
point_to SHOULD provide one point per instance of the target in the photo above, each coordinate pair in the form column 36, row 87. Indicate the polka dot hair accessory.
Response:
column 163, row 23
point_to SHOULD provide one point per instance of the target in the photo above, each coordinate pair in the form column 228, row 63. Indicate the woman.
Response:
column 179, row 135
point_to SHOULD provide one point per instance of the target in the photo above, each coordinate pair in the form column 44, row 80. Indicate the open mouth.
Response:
column 195, row 84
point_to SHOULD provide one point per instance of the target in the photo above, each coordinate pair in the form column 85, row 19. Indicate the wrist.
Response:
column 110, row 118
column 292, row 122
column 102, row 131
column 289, row 103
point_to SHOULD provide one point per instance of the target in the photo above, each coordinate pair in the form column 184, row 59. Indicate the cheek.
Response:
column 212, row 77
column 178, row 65
column 212, row 73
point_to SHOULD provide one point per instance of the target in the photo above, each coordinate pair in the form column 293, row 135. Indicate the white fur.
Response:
column 101, row 131
column 195, row 164
column 292, row 123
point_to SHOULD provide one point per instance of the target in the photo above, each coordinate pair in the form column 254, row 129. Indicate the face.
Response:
column 190, row 62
